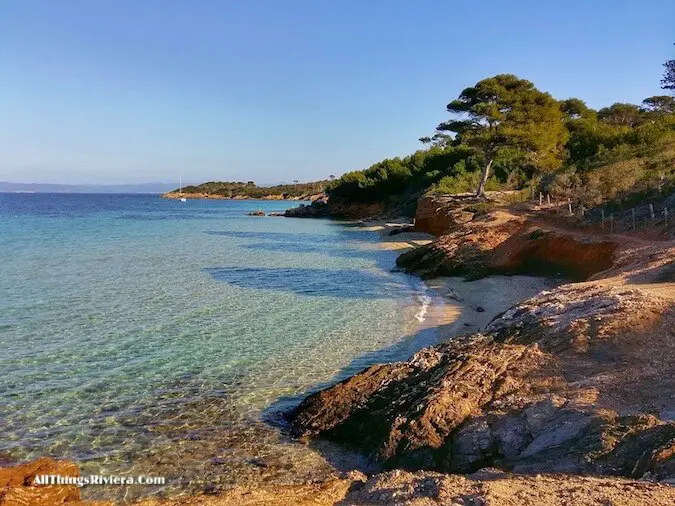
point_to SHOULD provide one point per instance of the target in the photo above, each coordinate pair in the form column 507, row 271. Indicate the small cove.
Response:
column 143, row 335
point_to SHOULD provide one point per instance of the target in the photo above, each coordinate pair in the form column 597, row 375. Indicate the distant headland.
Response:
column 250, row 191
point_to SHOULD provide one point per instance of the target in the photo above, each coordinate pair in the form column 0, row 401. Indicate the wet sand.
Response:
column 457, row 306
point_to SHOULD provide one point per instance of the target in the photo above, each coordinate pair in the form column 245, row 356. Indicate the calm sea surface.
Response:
column 143, row 335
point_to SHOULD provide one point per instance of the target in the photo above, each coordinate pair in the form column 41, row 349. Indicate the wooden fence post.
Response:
column 548, row 200
column 602, row 214
column 665, row 215
column 569, row 205
column 651, row 211
column 541, row 199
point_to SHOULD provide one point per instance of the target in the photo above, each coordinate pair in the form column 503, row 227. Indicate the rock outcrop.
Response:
column 439, row 214
column 498, row 242
column 579, row 379
column 424, row 488
column 17, row 484
column 488, row 487
column 335, row 208
column 317, row 209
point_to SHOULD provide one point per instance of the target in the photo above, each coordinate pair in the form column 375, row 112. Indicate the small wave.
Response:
column 425, row 302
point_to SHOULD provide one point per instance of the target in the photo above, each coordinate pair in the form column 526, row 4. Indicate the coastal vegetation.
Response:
column 668, row 81
column 250, row 190
column 504, row 133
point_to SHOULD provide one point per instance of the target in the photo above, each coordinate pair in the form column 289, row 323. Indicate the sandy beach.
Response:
column 457, row 306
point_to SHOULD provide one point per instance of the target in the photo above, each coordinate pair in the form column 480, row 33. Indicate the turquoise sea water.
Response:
column 139, row 334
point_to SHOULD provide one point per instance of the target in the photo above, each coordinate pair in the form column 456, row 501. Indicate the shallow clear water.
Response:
column 138, row 333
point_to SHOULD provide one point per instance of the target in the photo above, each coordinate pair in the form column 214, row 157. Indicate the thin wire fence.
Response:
column 651, row 214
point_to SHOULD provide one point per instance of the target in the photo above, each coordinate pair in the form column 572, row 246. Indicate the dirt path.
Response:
column 556, row 224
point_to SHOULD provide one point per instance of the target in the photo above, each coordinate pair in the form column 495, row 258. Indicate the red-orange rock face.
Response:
column 17, row 488
column 438, row 215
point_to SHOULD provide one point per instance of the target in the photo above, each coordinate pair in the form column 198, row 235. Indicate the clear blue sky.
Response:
column 116, row 91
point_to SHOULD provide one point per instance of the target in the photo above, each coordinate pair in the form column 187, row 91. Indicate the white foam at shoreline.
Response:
column 425, row 302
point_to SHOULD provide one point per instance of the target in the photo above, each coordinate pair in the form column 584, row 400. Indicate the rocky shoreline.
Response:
column 534, row 392
column 578, row 380
column 423, row 488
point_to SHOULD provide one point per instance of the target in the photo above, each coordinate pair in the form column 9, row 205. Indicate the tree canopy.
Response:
column 661, row 104
column 575, row 108
column 238, row 189
column 620, row 114
column 668, row 81
column 505, row 112
column 505, row 128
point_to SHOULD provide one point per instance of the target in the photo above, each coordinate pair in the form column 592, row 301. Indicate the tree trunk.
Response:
column 483, row 179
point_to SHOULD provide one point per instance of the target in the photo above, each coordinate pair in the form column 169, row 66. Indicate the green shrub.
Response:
column 250, row 190
column 397, row 176
column 464, row 182
column 480, row 208
column 537, row 234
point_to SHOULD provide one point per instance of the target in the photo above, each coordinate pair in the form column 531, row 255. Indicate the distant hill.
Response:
column 249, row 190
column 85, row 188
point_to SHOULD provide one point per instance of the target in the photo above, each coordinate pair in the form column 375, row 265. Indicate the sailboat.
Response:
column 180, row 191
